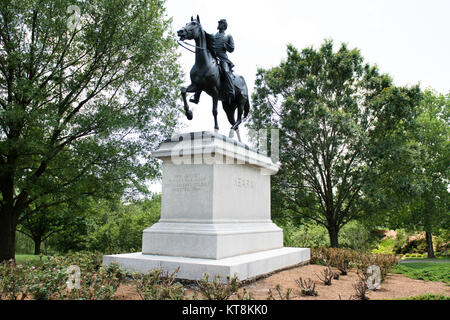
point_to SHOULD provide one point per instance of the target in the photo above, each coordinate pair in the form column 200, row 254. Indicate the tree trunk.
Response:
column 37, row 245
column 430, row 250
column 7, row 236
column 333, row 233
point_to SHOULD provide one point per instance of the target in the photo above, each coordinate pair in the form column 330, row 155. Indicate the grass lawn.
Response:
column 28, row 258
column 428, row 296
column 439, row 271
column 441, row 259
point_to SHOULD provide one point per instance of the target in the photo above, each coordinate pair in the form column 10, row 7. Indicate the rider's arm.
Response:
column 229, row 44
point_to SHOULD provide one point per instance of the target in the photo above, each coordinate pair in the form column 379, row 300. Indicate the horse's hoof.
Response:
column 189, row 115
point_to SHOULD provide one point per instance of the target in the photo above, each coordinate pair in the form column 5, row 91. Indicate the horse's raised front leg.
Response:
column 214, row 111
column 190, row 88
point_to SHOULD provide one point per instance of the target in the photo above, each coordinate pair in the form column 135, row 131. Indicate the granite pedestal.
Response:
column 215, row 213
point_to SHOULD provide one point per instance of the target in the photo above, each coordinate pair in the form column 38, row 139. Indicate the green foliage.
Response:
column 100, row 285
column 425, row 271
column 81, row 108
column 118, row 227
column 67, row 218
column 353, row 235
column 30, row 259
column 419, row 187
column 418, row 245
column 356, row 235
column 13, row 281
column 48, row 279
column 427, row 296
column 338, row 118
column 305, row 236
column 24, row 245
column 385, row 246
column 87, row 261
column 158, row 285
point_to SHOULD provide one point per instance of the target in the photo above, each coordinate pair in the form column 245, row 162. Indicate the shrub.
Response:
column 51, row 280
column 386, row 262
column 327, row 276
column 320, row 255
column 13, row 281
column 307, row 288
column 215, row 289
column 343, row 259
column 283, row 296
column 87, row 261
column 158, row 285
column 414, row 246
column 335, row 257
column 361, row 290
column 100, row 285
column 48, row 280
column 401, row 238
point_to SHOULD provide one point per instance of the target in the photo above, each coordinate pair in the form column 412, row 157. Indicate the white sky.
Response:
column 408, row 39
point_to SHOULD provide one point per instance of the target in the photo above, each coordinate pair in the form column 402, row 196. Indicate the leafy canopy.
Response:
column 338, row 118
column 82, row 108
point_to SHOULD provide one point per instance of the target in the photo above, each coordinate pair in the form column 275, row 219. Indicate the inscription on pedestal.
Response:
column 188, row 182
column 244, row 183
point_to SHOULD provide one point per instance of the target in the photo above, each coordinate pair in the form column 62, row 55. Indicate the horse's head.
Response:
column 191, row 30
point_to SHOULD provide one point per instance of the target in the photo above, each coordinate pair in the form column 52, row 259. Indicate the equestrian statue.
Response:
column 213, row 73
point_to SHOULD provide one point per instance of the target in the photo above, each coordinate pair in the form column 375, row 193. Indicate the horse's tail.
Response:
column 246, row 108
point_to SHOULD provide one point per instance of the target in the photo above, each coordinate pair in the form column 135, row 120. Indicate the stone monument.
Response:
column 215, row 213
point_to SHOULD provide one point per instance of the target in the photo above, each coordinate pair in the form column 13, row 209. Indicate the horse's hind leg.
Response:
column 239, row 116
column 235, row 126
column 190, row 88
column 230, row 115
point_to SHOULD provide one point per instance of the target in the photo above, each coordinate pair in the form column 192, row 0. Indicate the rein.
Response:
column 188, row 44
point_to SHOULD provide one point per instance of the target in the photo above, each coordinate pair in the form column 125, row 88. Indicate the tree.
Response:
column 337, row 117
column 48, row 221
column 83, row 99
column 427, row 206
column 117, row 227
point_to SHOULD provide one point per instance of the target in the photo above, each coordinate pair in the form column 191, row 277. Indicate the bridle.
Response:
column 188, row 44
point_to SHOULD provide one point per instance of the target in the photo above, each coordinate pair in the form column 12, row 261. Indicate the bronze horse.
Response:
column 207, row 76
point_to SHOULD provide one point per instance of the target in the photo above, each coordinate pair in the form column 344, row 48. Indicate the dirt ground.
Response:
column 395, row 286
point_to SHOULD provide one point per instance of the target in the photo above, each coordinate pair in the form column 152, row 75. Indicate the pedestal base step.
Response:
column 245, row 267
